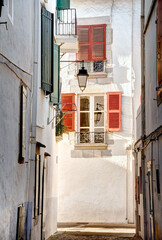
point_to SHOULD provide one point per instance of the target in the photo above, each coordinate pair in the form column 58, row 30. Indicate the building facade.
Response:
column 148, row 147
column 29, row 83
column 96, row 175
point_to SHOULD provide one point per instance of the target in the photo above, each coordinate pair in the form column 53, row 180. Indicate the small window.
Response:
column 98, row 66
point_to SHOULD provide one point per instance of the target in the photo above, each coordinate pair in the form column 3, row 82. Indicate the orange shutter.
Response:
column 99, row 42
column 69, row 118
column 114, row 100
column 84, row 43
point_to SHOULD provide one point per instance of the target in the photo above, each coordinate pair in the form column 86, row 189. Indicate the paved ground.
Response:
column 76, row 236
column 95, row 232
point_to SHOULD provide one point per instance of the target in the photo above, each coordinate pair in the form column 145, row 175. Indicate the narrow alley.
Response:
column 80, row 119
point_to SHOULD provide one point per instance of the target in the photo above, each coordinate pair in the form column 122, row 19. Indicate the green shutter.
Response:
column 47, row 25
column 55, row 96
column 63, row 4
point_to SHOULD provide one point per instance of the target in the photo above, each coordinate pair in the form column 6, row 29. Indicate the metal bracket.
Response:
column 60, row 110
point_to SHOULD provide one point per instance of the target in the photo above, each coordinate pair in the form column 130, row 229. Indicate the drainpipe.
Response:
column 143, row 113
column 34, row 99
column 152, row 197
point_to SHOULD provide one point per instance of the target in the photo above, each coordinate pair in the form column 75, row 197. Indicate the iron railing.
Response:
column 66, row 22
column 90, row 137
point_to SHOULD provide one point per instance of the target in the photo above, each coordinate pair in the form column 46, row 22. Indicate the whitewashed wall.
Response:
column 45, row 133
column 17, row 180
column 98, row 185
column 15, row 45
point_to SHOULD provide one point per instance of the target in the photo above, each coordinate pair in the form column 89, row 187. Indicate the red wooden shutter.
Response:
column 84, row 43
column 114, row 100
column 69, row 118
column 92, row 42
column 98, row 42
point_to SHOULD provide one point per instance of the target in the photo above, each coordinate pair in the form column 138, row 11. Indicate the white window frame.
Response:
column 92, row 127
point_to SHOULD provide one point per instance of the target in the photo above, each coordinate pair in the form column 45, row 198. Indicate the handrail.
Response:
column 66, row 22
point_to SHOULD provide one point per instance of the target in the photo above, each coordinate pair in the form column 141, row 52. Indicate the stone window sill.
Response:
column 97, row 75
column 90, row 146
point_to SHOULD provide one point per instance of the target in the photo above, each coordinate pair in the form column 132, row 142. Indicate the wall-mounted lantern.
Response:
column 82, row 78
column 97, row 115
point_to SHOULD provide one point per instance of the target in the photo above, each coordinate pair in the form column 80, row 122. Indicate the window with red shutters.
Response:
column 159, row 51
column 114, row 100
column 92, row 42
column 69, row 118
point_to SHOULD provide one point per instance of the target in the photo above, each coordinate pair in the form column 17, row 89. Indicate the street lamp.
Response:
column 82, row 78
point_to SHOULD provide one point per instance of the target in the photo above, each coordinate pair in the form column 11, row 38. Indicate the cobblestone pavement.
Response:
column 75, row 236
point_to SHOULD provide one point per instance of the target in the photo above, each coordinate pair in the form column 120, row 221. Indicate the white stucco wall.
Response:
column 14, row 176
column 17, row 180
column 98, row 185
column 45, row 133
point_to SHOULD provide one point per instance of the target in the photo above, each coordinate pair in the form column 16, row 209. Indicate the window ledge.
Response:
column 90, row 146
column 97, row 75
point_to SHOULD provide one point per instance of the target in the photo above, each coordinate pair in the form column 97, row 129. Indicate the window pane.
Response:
column 99, row 135
column 84, row 103
column 83, row 35
column 84, row 136
column 98, row 103
column 83, row 52
column 98, row 66
column 98, row 51
column 84, row 120
column 98, row 34
column 99, row 123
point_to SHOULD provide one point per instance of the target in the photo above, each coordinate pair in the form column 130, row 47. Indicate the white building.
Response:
column 28, row 168
column 95, row 161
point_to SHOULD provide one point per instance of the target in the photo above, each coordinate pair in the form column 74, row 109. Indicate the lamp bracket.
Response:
column 59, row 110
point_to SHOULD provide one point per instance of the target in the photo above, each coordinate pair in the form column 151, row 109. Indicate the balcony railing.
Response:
column 90, row 137
column 66, row 22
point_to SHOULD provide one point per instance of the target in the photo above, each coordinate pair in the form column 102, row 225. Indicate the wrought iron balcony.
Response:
column 90, row 137
column 66, row 22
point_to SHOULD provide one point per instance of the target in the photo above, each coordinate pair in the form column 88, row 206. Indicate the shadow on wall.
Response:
column 82, row 201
